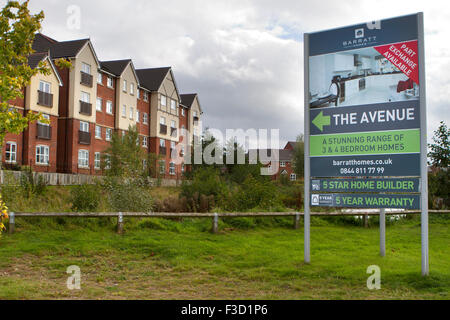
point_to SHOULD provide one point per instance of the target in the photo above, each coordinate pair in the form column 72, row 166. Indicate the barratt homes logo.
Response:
column 360, row 40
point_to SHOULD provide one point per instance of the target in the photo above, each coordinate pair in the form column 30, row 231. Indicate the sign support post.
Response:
column 307, row 222
column 424, row 150
column 383, row 232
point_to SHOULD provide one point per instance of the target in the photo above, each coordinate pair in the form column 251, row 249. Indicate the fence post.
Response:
column 120, row 223
column 297, row 221
column 215, row 227
column 12, row 223
column 366, row 220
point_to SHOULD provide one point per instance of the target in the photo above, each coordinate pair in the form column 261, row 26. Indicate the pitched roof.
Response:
column 35, row 58
column 152, row 79
column 291, row 144
column 188, row 99
column 115, row 67
column 67, row 49
column 42, row 43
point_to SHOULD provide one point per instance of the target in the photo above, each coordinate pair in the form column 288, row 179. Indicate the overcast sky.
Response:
column 244, row 58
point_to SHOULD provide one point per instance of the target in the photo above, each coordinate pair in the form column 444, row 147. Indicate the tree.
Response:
column 17, row 30
column 299, row 156
column 440, row 149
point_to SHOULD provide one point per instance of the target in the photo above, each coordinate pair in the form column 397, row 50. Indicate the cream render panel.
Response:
column 85, row 56
column 31, row 99
column 126, row 98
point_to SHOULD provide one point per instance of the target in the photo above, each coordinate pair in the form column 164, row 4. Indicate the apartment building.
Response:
column 122, row 97
column 37, row 145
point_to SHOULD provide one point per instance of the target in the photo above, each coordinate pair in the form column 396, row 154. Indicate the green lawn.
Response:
column 158, row 259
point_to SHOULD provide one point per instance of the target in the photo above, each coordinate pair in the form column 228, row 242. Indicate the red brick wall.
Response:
column 106, row 94
column 18, row 139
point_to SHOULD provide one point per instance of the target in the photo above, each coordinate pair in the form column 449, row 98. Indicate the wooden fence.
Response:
column 214, row 216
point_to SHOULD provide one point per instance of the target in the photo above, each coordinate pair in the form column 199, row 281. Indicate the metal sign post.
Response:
column 365, row 121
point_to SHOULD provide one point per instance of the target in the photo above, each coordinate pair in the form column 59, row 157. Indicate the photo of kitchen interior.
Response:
column 357, row 77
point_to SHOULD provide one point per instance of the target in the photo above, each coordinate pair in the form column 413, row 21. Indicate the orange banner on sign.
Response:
column 404, row 56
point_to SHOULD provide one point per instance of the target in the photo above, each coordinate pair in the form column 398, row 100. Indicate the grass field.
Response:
column 158, row 259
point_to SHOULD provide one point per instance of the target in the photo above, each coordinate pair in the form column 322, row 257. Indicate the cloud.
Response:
column 244, row 58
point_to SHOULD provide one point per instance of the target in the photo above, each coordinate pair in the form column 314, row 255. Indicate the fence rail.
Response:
column 215, row 216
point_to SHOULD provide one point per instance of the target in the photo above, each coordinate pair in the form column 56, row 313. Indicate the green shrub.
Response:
column 85, row 198
column 127, row 195
column 31, row 184
column 439, row 189
column 255, row 193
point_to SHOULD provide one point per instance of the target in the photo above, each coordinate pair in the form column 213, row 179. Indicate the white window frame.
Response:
column 162, row 120
column 162, row 167
column 173, row 105
column 163, row 101
column 293, row 177
column 100, row 78
column 110, row 82
column 10, row 152
column 173, row 124
column 131, row 113
column 98, row 132
column 183, row 112
column 162, row 143
column 172, row 168
column 108, row 134
column 97, row 160
column 138, row 116
column 145, row 120
column 132, row 88
column 42, row 158
column 138, row 93
column 84, row 126
column 45, row 86
column 124, row 111
column 145, row 142
column 46, row 117
column 145, row 96
column 85, row 97
column 97, row 106
column 83, row 162
column 86, row 68
column 125, row 85
column 109, row 107
column 283, row 164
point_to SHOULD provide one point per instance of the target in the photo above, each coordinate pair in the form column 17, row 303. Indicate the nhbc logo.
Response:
column 360, row 39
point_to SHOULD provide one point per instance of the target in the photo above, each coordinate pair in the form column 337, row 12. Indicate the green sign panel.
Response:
column 405, row 185
column 351, row 200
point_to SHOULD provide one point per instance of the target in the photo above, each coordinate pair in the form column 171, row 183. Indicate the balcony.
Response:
column 84, row 137
column 162, row 151
column 173, row 132
column 162, row 129
column 45, row 99
column 85, row 108
column 86, row 79
column 44, row 132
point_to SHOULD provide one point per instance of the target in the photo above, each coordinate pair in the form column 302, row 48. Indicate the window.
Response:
column 162, row 121
column 131, row 113
column 172, row 145
column 83, row 158
column 124, row 86
column 195, row 114
column 109, row 82
column 99, row 78
column 183, row 112
column 173, row 105
column 138, row 116
column 42, row 155
column 86, row 68
column 108, row 134
column 173, row 124
column 145, row 142
column 162, row 143
column 98, row 132
column 145, row 96
column 99, row 104
column 11, row 152
column 138, row 93
column 163, row 101
column 162, row 167
column 172, row 169
column 84, row 126
column 45, row 87
column 109, row 107
column 97, row 160
column 283, row 164
column 293, row 177
column 145, row 118
column 85, row 97
column 131, row 88
column 124, row 111
column 46, row 117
